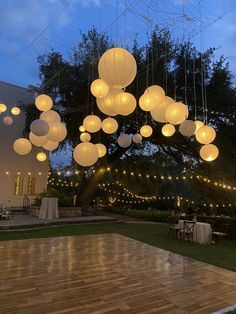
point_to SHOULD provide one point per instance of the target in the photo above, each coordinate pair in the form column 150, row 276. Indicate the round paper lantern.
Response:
column 99, row 88
column 137, row 138
column 209, row 152
column 102, row 150
column 41, row 156
column 82, row 128
column 57, row 132
column 146, row 130
column 92, row 123
column 43, row 102
column 50, row 145
column 22, row 146
column 147, row 102
column 7, row 120
column 85, row 154
column 124, row 140
column 85, row 137
column 168, row 130
column 109, row 125
column 158, row 113
column 106, row 104
column 157, row 91
column 198, row 125
column 38, row 140
column 125, row 104
column 117, row 67
column 176, row 113
column 50, row 116
column 15, row 111
column 39, row 127
column 205, row 135
column 187, row 128
column 3, row 108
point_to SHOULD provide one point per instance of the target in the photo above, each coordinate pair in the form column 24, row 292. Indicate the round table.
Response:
column 49, row 208
column 202, row 232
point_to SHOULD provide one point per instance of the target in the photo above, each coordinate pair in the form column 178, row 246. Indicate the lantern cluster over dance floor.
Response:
column 8, row 120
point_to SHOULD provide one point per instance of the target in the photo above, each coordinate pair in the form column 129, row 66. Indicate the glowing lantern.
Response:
column 147, row 102
column 82, row 128
column 137, row 138
column 176, row 113
column 38, row 140
column 85, row 137
column 199, row 124
column 158, row 113
column 3, row 108
column 187, row 128
column 22, row 146
column 43, row 102
column 117, row 67
column 15, row 111
column 92, row 123
column 157, row 92
column 146, row 130
column 7, row 120
column 50, row 116
column 124, row 140
column 99, row 88
column 205, row 135
column 41, row 156
column 85, row 154
column 168, row 130
column 106, row 104
column 125, row 104
column 57, row 132
column 109, row 125
column 39, row 127
column 102, row 150
column 209, row 152
column 50, row 145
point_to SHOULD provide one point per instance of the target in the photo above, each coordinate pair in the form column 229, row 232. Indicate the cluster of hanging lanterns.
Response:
column 8, row 120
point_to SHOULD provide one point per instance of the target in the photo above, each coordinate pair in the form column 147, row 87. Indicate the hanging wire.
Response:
column 125, row 30
column 174, row 70
column 117, row 22
column 100, row 28
column 194, row 90
column 137, row 94
column 166, row 70
column 185, row 58
column 202, row 69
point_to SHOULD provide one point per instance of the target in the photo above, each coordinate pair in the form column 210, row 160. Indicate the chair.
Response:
column 188, row 230
column 173, row 227
column 222, row 233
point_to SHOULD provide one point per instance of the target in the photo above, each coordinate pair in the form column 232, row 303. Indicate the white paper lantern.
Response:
column 82, row 128
column 187, row 128
column 137, row 138
column 15, row 111
column 147, row 102
column 3, row 108
column 102, row 150
column 43, row 102
column 125, row 104
column 99, row 88
column 85, row 154
column 85, row 137
column 209, row 152
column 199, row 124
column 105, row 105
column 38, row 140
column 41, row 156
column 157, row 91
column 109, row 125
column 146, row 130
column 50, row 145
column 50, row 116
column 7, row 120
column 22, row 146
column 39, row 127
column 205, row 135
column 176, row 113
column 158, row 114
column 92, row 123
column 117, row 67
column 168, row 130
column 57, row 132
column 124, row 140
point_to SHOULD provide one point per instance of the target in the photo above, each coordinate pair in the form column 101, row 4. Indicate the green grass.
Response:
column 154, row 234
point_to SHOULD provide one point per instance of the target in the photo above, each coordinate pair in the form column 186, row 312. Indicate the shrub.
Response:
column 63, row 200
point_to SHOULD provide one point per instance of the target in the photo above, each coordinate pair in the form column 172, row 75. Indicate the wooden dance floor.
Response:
column 107, row 274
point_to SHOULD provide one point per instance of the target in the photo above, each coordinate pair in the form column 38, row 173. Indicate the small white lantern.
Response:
column 157, row 91
column 41, row 156
column 50, row 145
column 147, row 102
column 125, row 104
column 209, row 152
column 22, row 146
column 38, row 140
column 146, row 130
column 124, row 140
column 187, row 128
column 205, row 135
column 99, row 88
column 92, row 123
column 85, row 137
column 199, row 124
column 3, row 108
column 106, row 104
column 102, row 150
column 15, row 111
column 57, row 132
column 43, row 102
column 7, row 120
column 85, row 154
column 39, row 127
column 82, row 128
column 158, row 113
column 168, row 130
column 50, row 116
column 109, row 125
column 176, row 113
column 137, row 138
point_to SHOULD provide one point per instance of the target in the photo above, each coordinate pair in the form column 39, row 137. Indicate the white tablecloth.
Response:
column 202, row 232
column 49, row 208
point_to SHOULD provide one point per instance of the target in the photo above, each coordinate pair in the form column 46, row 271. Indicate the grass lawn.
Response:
column 155, row 234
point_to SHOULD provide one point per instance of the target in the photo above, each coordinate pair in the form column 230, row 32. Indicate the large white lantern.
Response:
column 109, row 125
column 125, row 104
column 85, row 137
column 137, row 138
column 43, row 102
column 199, row 124
column 50, row 116
column 7, row 120
column 22, row 146
column 50, row 145
column 85, row 154
column 147, row 102
column 168, row 130
column 117, row 67
column 157, row 91
column 39, row 127
column 102, row 150
column 15, row 111
column 99, row 88
column 187, row 128
column 3, row 108
column 41, row 156
column 158, row 113
column 209, row 152
column 176, row 113
column 205, row 135
column 106, row 104
column 146, row 130
column 124, row 140
column 57, row 132
column 92, row 123
column 38, row 140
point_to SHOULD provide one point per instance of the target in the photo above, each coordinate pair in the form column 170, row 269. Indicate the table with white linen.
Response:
column 202, row 232
column 49, row 208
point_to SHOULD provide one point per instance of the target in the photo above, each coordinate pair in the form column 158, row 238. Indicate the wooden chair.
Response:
column 173, row 227
column 188, row 230
column 221, row 234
